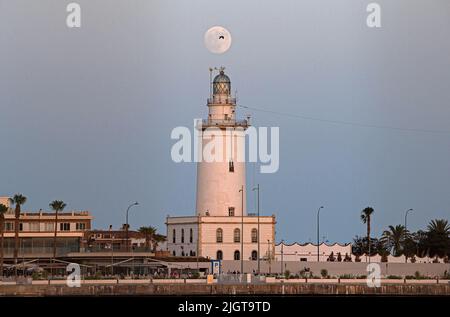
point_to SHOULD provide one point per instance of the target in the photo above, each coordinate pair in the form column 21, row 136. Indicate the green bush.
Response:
column 394, row 277
column 346, row 276
column 324, row 273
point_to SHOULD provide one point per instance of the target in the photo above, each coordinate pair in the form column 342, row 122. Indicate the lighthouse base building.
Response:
column 221, row 229
column 219, row 237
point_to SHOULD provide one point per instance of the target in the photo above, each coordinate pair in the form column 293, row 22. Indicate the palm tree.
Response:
column 438, row 238
column 18, row 200
column 57, row 206
column 365, row 218
column 149, row 233
column 439, row 226
column 157, row 239
column 394, row 239
column 3, row 210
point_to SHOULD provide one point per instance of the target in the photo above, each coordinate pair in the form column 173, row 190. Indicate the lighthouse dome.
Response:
column 221, row 84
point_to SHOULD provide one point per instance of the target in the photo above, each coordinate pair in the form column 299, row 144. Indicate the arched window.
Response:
column 191, row 235
column 254, row 255
column 182, row 235
column 174, row 253
column 254, row 235
column 174, row 235
column 219, row 235
column 237, row 235
column 219, row 255
column 237, row 255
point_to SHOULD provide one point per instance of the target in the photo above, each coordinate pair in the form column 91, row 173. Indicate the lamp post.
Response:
column 318, row 233
column 259, row 265
column 242, row 229
column 112, row 250
column 406, row 231
column 126, row 225
column 282, row 243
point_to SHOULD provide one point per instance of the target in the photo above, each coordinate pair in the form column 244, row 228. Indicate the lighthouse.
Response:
column 221, row 188
column 221, row 228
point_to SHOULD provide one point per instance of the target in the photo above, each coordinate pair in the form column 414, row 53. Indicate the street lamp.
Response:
column 406, row 231
column 112, row 250
column 242, row 229
column 318, row 233
column 259, row 265
column 126, row 225
column 282, row 243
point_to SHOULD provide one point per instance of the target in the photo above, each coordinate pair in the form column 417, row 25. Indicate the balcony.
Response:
column 207, row 123
column 220, row 100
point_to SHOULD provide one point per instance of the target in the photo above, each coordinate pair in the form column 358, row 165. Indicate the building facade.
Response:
column 221, row 228
column 37, row 229
column 119, row 240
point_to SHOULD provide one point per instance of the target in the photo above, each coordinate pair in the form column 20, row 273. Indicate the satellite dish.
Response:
column 217, row 40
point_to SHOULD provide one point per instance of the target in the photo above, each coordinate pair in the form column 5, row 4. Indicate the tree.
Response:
column 394, row 239
column 366, row 215
column 149, row 233
column 360, row 246
column 18, row 200
column 3, row 210
column 157, row 239
column 56, row 206
column 417, row 244
column 438, row 238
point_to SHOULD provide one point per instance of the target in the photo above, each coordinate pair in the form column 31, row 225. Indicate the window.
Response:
column 49, row 226
column 231, row 211
column 237, row 235
column 9, row 226
column 174, row 236
column 231, row 166
column 182, row 235
column 219, row 255
column 20, row 226
column 174, row 254
column 191, row 235
column 254, row 235
column 237, row 255
column 34, row 226
column 81, row 226
column 64, row 226
column 254, row 255
column 219, row 235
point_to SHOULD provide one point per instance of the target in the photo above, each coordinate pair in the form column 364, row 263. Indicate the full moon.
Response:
column 217, row 40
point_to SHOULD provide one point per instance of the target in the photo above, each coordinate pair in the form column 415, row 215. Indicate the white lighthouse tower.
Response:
column 221, row 189
column 221, row 228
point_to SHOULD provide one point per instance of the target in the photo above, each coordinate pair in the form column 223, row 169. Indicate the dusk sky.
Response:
column 86, row 113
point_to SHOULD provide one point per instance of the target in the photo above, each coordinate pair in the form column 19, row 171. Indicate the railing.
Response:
column 225, row 122
column 222, row 100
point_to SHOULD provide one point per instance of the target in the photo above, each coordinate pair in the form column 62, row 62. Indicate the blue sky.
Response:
column 86, row 114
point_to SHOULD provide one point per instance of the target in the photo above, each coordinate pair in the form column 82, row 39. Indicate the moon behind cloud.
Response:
column 217, row 40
